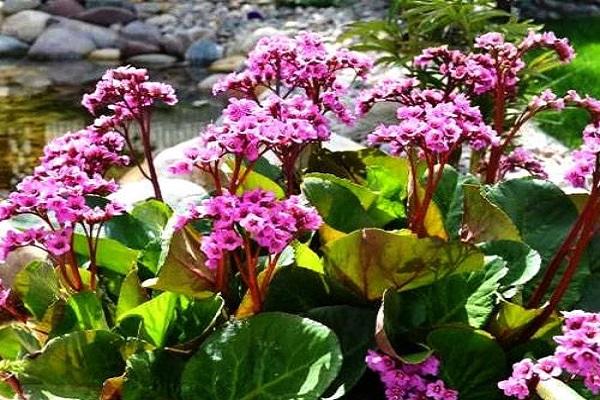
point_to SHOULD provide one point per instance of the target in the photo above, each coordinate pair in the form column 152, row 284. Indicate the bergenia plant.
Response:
column 124, row 97
column 392, row 272
column 303, row 83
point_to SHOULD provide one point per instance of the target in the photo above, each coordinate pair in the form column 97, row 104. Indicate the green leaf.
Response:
column 181, row 267
column 151, row 319
column 153, row 375
column 522, row 261
column 154, row 214
column 472, row 362
column 512, row 319
column 16, row 342
column 541, row 212
column 306, row 258
column 344, row 205
column 355, row 329
column 484, row 220
column 38, row 288
column 296, row 290
column 194, row 319
column 132, row 293
column 75, row 365
column 544, row 215
column 370, row 261
column 271, row 355
column 449, row 197
column 82, row 312
column 111, row 254
column 465, row 299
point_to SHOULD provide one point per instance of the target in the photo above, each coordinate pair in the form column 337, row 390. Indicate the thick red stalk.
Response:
column 499, row 116
column 144, row 123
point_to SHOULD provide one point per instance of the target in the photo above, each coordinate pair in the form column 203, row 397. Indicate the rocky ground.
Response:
column 161, row 32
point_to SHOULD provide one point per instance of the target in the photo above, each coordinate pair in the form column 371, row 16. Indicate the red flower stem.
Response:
column 252, row 279
column 144, row 123
column 73, row 267
column 559, row 257
column 587, row 233
column 269, row 274
column 499, row 116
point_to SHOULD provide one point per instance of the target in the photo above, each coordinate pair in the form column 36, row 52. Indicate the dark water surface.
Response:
column 40, row 101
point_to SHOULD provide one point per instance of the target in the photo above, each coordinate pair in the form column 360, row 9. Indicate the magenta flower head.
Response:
column 431, row 121
column 271, row 223
column 127, row 94
column 409, row 381
column 577, row 354
column 299, row 65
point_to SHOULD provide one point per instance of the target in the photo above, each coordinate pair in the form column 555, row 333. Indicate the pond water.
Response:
column 40, row 101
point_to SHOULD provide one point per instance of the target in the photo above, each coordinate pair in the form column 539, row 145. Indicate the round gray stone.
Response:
column 61, row 43
column 11, row 47
column 26, row 25
column 14, row 6
column 203, row 52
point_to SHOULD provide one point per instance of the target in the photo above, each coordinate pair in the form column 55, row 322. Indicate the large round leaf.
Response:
column 355, row 328
column 472, row 362
column 269, row 356
column 370, row 261
column 75, row 365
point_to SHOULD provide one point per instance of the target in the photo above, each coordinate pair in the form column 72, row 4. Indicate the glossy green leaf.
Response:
column 296, row 290
column 154, row 214
column 355, row 329
column 543, row 214
column 153, row 375
column 465, row 299
column 131, row 295
column 194, row 319
column 344, row 205
column 484, row 220
column 473, row 363
column 305, row 257
column 82, row 311
column 370, row 261
column 16, row 342
column 38, row 287
column 523, row 263
column 75, row 365
column 111, row 254
column 181, row 267
column 152, row 319
column 449, row 198
column 271, row 355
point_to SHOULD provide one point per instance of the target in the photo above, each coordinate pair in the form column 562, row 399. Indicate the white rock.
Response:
column 109, row 54
column 26, row 25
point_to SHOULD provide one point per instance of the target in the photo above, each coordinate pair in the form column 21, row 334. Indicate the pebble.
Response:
column 156, row 59
column 228, row 64
column 110, row 54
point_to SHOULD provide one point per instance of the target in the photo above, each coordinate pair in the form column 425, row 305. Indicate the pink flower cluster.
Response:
column 430, row 120
column 410, row 381
column 577, row 354
column 585, row 159
column 127, row 94
column 497, row 65
column 249, row 130
column 269, row 222
column 302, row 79
column 284, row 65
column 522, row 159
column 72, row 168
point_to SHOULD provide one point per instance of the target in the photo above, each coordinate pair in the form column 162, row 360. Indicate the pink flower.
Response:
column 272, row 224
column 409, row 381
column 521, row 158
